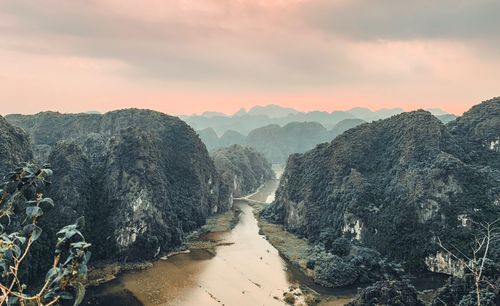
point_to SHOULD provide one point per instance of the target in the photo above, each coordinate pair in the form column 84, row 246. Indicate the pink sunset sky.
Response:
column 187, row 56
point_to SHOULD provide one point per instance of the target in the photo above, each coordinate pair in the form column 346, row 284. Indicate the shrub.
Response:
column 341, row 246
column 332, row 271
column 21, row 199
column 397, row 293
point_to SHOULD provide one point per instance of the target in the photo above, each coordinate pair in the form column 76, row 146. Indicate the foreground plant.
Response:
column 477, row 261
column 20, row 198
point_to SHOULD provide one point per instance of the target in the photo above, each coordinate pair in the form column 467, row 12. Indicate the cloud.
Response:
column 264, row 44
column 406, row 20
column 350, row 48
column 219, row 41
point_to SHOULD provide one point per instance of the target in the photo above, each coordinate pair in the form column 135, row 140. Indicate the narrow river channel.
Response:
column 246, row 271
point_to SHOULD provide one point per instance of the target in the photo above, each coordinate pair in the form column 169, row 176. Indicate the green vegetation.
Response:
column 22, row 205
column 395, row 293
column 480, row 284
column 15, row 146
column 242, row 169
column 357, row 266
column 142, row 177
column 392, row 186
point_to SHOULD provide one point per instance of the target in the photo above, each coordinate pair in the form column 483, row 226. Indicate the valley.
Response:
column 244, row 268
column 347, row 222
column 249, row 153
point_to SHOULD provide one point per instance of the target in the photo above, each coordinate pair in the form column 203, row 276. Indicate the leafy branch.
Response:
column 64, row 280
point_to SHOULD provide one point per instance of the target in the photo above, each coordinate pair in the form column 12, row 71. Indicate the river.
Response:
column 246, row 271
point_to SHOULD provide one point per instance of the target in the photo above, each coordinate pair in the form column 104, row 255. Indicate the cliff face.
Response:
column 142, row 179
column 393, row 185
column 242, row 168
column 15, row 146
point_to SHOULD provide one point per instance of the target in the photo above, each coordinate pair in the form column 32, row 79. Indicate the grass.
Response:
column 222, row 222
column 293, row 248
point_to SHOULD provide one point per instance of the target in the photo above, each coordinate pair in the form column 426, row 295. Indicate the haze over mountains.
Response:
column 245, row 121
column 278, row 132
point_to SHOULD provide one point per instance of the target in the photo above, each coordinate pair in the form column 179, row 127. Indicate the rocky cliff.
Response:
column 142, row 179
column 395, row 185
column 242, row 168
column 15, row 146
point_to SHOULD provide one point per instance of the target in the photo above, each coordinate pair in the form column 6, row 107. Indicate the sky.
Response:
column 187, row 56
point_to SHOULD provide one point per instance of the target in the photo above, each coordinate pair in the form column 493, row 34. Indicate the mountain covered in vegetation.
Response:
column 278, row 142
column 243, row 168
column 395, row 185
column 142, row 179
column 15, row 146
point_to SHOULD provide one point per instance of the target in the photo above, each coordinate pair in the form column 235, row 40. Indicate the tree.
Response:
column 475, row 262
column 21, row 199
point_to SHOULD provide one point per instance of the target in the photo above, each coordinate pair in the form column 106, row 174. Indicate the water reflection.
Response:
column 248, row 272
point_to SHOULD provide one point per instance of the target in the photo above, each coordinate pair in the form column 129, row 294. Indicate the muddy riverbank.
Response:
column 254, row 263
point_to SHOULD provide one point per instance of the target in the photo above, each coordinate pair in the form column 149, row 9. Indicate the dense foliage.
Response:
column 242, row 168
column 15, row 146
column 22, row 205
column 394, row 293
column 461, row 291
column 345, row 264
column 142, row 177
column 396, row 184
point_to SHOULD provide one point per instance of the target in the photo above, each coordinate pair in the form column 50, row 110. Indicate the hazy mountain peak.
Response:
column 272, row 110
column 210, row 114
column 241, row 112
column 369, row 115
column 437, row 111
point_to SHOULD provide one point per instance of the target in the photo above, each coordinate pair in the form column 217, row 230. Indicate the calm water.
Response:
column 248, row 272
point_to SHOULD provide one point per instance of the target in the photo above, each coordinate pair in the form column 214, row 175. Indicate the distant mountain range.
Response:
column 278, row 142
column 245, row 121
column 287, row 131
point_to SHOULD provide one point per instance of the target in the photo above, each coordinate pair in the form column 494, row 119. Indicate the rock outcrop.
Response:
column 242, row 168
column 142, row 179
column 396, row 184
column 15, row 146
